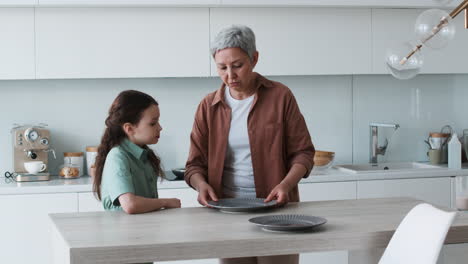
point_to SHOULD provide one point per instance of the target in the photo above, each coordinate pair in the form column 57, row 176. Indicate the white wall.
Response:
column 337, row 110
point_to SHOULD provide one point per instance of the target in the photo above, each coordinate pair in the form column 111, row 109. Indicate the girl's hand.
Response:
column 172, row 203
column 206, row 193
column 279, row 193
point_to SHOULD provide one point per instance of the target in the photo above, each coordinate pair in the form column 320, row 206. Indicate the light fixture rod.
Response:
column 466, row 18
column 459, row 8
column 443, row 22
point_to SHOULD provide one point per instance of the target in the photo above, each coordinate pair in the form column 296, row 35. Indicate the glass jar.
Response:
column 76, row 158
column 91, row 153
column 70, row 171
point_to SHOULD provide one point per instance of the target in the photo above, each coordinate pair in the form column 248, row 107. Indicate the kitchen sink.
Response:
column 386, row 167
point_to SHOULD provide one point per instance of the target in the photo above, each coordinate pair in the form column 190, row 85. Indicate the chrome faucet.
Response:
column 375, row 149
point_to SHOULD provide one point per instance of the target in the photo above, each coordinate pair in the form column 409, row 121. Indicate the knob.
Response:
column 32, row 154
column 44, row 141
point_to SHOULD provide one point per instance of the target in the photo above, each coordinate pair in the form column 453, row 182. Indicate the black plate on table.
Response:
column 235, row 205
column 288, row 222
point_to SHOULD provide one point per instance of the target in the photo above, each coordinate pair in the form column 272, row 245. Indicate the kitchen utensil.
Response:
column 437, row 140
column 435, row 156
column 34, row 167
column 234, row 205
column 288, row 222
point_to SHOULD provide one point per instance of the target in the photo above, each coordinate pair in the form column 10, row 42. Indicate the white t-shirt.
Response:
column 238, row 178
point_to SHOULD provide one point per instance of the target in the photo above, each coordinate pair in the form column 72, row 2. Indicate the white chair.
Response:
column 419, row 237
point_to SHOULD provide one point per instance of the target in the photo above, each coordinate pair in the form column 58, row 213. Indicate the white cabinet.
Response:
column 18, row 3
column 188, row 196
column 25, row 229
column 431, row 190
column 121, row 42
column 127, row 2
column 17, row 43
column 327, row 191
column 87, row 202
column 303, row 41
column 322, row 192
column 393, row 26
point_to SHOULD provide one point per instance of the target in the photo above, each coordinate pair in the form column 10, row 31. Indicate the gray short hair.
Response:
column 235, row 36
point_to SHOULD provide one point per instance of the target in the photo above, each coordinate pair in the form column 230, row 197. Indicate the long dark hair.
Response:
column 126, row 108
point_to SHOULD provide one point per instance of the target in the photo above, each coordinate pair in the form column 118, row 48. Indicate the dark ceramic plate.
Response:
column 288, row 222
column 241, row 204
column 179, row 173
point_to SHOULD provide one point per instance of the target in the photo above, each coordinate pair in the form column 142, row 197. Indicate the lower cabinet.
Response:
column 433, row 190
column 25, row 232
column 322, row 192
column 437, row 191
column 26, row 225
column 87, row 202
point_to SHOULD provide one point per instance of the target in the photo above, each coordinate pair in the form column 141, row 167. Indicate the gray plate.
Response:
column 235, row 205
column 288, row 222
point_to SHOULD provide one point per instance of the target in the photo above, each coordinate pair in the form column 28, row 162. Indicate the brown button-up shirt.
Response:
column 277, row 131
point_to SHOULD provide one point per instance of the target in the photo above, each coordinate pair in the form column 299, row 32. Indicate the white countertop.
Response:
column 84, row 184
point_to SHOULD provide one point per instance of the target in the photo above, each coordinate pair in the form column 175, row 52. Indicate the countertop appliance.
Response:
column 30, row 143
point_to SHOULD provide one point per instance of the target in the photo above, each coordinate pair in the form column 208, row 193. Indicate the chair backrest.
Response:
column 419, row 237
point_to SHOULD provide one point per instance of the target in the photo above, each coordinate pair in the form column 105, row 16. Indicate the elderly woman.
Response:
column 249, row 138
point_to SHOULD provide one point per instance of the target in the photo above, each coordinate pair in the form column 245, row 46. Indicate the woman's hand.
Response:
column 206, row 193
column 280, row 193
column 172, row 203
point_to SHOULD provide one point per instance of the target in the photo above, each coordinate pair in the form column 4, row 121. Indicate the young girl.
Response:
column 126, row 169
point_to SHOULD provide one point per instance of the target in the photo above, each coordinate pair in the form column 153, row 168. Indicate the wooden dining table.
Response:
column 201, row 233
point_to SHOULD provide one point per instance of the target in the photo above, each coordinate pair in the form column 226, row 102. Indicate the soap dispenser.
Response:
column 454, row 152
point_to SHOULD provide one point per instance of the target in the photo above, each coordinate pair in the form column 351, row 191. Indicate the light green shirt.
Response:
column 127, row 170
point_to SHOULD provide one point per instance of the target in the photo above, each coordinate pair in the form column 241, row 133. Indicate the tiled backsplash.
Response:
column 337, row 109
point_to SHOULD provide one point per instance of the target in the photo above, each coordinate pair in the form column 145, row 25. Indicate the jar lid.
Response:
column 91, row 149
column 438, row 135
column 73, row 154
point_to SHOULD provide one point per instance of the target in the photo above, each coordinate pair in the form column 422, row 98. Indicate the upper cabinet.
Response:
column 8, row 3
column 121, row 42
column 303, row 41
column 128, row 2
column 237, row 3
column 336, row 3
column 393, row 26
column 16, row 43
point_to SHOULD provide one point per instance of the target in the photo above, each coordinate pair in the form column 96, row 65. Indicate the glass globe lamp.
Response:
column 443, row 2
column 434, row 28
column 404, row 61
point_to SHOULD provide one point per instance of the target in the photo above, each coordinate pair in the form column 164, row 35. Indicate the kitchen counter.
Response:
column 196, row 233
column 84, row 184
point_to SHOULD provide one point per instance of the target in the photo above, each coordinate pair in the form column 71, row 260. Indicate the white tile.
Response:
column 75, row 111
column 420, row 105
column 325, row 102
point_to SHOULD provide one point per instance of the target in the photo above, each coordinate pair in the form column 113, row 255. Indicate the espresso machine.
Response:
column 30, row 143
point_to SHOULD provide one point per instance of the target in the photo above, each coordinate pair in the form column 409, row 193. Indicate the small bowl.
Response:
column 323, row 159
column 179, row 173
